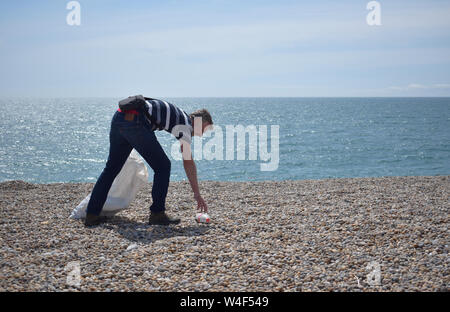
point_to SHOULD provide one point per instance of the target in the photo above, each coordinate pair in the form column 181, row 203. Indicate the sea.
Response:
column 50, row 140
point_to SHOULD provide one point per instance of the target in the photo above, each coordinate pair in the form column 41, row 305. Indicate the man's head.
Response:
column 204, row 117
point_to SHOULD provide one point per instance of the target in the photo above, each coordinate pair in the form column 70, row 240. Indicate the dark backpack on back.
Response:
column 135, row 102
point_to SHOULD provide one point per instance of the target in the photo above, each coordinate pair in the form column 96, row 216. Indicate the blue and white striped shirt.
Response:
column 166, row 116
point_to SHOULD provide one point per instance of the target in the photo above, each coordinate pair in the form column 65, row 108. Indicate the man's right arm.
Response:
column 191, row 173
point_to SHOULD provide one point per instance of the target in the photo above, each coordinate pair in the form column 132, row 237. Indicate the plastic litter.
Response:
column 202, row 218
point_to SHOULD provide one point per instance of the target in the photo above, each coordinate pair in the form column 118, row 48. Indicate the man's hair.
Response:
column 206, row 116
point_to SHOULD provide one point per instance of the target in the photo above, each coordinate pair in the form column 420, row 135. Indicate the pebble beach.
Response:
column 355, row 234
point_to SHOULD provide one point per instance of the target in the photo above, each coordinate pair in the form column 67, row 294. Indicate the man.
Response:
column 135, row 129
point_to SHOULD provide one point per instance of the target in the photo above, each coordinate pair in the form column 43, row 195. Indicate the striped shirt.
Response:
column 166, row 116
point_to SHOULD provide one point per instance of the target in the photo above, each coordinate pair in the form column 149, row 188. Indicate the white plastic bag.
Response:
column 123, row 191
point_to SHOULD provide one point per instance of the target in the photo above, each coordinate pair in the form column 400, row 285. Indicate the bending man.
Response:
column 135, row 129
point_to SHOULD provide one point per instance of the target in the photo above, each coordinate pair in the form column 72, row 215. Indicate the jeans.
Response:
column 123, row 137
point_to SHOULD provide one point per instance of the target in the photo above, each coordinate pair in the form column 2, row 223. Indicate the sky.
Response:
column 221, row 48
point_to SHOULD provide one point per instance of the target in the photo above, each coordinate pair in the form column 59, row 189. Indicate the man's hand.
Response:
column 201, row 205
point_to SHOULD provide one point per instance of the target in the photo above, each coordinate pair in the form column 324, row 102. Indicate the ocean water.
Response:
column 46, row 140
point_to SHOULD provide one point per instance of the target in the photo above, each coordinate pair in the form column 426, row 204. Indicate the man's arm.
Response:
column 191, row 173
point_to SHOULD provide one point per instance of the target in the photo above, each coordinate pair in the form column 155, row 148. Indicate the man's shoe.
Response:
column 92, row 219
column 161, row 218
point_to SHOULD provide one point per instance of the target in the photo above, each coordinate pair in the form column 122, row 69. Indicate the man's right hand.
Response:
column 201, row 204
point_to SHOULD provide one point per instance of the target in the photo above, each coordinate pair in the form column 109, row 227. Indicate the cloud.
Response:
column 417, row 86
column 442, row 86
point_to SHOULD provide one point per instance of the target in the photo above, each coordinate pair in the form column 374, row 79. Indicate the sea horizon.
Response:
column 225, row 97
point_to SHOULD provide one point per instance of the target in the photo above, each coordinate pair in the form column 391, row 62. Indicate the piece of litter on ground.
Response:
column 132, row 246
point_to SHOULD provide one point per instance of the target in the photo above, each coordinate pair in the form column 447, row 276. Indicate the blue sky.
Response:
column 225, row 48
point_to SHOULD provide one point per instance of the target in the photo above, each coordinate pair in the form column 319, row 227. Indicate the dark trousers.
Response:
column 125, row 134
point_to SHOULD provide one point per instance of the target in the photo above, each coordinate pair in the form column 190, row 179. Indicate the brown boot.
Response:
column 161, row 218
column 92, row 219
